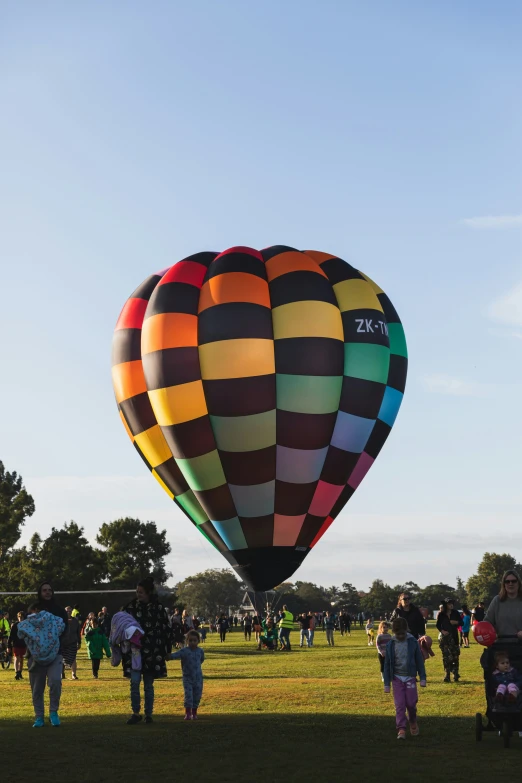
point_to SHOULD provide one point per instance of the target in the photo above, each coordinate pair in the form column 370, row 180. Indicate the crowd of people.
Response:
column 145, row 634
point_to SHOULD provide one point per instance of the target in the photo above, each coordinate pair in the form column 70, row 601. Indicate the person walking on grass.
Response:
column 71, row 643
column 17, row 646
column 370, row 633
column 382, row 641
column 43, row 631
column 191, row 657
column 412, row 615
column 304, row 630
column 329, row 627
column 465, row 627
column 286, row 624
column 156, row 645
column 223, row 626
column 448, row 621
column 311, row 632
column 97, row 644
column 402, row 663
column 247, row 627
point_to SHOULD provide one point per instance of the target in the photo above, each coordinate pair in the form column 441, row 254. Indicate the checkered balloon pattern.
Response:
column 259, row 387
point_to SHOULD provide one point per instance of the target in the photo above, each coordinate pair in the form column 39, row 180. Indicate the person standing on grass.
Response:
column 104, row 621
column 448, row 621
column 17, row 647
column 311, row 630
column 156, row 645
column 329, row 627
column 191, row 657
column 71, row 643
column 247, row 627
column 97, row 644
column 304, row 629
column 466, row 625
column 286, row 624
column 370, row 633
column 402, row 663
column 222, row 625
column 412, row 615
column 51, row 670
column 382, row 641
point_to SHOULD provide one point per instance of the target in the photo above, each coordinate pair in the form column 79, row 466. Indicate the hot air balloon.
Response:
column 259, row 387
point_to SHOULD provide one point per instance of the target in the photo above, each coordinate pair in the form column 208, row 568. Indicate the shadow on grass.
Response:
column 286, row 745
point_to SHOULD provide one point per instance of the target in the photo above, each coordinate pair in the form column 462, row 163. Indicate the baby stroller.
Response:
column 504, row 718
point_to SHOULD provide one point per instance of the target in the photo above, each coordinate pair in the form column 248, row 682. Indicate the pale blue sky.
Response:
column 133, row 134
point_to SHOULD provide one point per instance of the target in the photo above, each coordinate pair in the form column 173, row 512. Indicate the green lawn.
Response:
column 287, row 715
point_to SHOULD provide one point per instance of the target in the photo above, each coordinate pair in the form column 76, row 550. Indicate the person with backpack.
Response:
column 43, row 631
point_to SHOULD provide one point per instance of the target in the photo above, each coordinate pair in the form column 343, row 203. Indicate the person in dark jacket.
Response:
column 412, row 615
column 222, row 625
column 17, row 647
column 71, row 643
column 448, row 621
column 104, row 621
column 156, row 645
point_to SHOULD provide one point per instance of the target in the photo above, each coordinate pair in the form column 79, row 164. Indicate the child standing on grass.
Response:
column 383, row 639
column 402, row 662
column 97, row 644
column 370, row 632
column 191, row 657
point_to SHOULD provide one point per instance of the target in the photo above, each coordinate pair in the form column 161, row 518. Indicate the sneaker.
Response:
column 187, row 717
column 456, row 678
column 54, row 720
column 134, row 718
column 148, row 719
column 74, row 677
column 401, row 734
column 414, row 729
column 446, row 679
column 39, row 723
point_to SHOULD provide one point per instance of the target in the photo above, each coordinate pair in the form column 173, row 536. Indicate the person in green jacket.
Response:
column 97, row 644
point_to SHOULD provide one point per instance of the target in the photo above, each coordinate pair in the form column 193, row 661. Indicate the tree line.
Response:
column 129, row 548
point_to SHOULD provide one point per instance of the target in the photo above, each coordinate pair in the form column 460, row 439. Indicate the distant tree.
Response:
column 133, row 549
column 349, row 598
column 311, row 597
column 210, row 592
column 433, row 595
column 460, row 592
column 15, row 506
column 22, row 570
column 485, row 584
column 67, row 558
column 381, row 598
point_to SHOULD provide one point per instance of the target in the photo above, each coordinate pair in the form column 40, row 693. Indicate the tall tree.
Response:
column 133, row 550
column 15, row 506
column 380, row 598
column 485, row 584
column 211, row 592
column 67, row 558
column 349, row 598
column 433, row 595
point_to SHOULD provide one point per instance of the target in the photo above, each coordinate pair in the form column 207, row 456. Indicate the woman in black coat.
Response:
column 412, row 615
column 156, row 645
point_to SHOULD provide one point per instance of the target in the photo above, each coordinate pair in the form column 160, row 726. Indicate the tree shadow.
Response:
column 282, row 745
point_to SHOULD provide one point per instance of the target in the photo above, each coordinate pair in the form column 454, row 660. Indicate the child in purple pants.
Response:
column 402, row 663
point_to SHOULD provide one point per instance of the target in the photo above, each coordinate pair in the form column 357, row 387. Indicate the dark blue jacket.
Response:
column 415, row 660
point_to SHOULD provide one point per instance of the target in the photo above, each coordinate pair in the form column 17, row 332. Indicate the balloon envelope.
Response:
column 259, row 387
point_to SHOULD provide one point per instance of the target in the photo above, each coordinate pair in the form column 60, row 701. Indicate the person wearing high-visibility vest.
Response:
column 286, row 624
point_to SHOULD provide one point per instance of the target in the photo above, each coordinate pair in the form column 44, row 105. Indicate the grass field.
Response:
column 319, row 712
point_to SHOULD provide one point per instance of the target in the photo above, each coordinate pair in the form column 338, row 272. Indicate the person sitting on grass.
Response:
column 97, row 644
column 191, row 657
column 402, row 663
column 269, row 635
